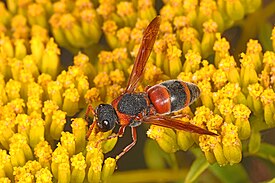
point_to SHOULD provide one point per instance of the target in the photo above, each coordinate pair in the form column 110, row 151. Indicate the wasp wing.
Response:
column 169, row 122
column 148, row 40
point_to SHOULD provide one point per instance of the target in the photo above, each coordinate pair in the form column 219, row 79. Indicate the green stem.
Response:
column 251, row 25
column 142, row 176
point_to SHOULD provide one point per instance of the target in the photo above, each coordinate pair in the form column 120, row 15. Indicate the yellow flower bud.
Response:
column 68, row 142
column 70, row 104
column 241, row 113
column 51, row 53
column 43, row 175
column 192, row 62
column 60, row 156
column 13, row 89
column 235, row 9
column 110, row 28
column 78, row 168
column 218, row 151
column 37, row 131
column 94, row 172
column 90, row 24
column 6, row 168
column 232, row 146
column 254, row 142
column 7, row 47
column 64, row 173
column 165, row 137
column 20, row 49
column 54, row 89
column 173, row 56
column 208, row 38
column 105, row 61
column 108, row 145
column 36, row 15
column 108, row 169
column 184, row 140
column 57, row 125
column 79, row 132
column 43, row 152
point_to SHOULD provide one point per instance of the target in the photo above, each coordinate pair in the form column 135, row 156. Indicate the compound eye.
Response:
column 105, row 126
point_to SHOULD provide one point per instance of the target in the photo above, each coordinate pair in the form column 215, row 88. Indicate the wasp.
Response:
column 153, row 106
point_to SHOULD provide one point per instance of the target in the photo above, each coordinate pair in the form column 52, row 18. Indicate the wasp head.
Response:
column 106, row 117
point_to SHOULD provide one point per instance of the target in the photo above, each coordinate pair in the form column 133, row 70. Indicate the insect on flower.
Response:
column 151, row 106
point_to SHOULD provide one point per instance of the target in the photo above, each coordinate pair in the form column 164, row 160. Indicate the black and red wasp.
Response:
column 153, row 106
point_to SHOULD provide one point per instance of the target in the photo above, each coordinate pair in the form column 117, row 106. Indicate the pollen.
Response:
column 269, row 58
column 225, row 106
column 155, row 132
column 160, row 46
column 221, row 44
column 152, row 73
column 219, row 78
column 71, row 94
column 17, row 105
column 105, row 57
column 230, row 135
column 78, row 161
column 207, row 7
column 43, row 79
column 255, row 90
column 167, row 13
column 81, row 59
column 241, row 111
column 120, row 55
column 92, row 95
column 227, row 63
column 193, row 58
column 102, row 79
column 215, row 122
column 44, row 175
column 43, row 152
column 174, row 52
column 49, row 107
column 124, row 35
column 67, row 21
column 52, row 47
column 181, row 21
column 13, row 89
column 210, row 26
column 110, row 27
column 188, row 34
column 231, row 90
column 35, row 10
column 117, row 76
column 268, row 96
column 166, row 27
column 125, row 9
column 60, row 155
column 253, row 47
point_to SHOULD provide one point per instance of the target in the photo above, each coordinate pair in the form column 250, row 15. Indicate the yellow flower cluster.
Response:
column 40, row 100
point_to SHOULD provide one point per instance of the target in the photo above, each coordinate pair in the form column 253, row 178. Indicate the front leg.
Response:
column 90, row 121
column 127, row 148
column 119, row 134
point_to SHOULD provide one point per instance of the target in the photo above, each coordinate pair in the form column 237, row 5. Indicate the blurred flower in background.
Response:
column 43, row 100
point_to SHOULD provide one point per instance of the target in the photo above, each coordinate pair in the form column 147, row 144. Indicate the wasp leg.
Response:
column 90, row 131
column 119, row 134
column 90, row 122
column 127, row 148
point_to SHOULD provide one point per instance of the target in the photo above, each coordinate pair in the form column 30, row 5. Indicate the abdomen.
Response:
column 172, row 95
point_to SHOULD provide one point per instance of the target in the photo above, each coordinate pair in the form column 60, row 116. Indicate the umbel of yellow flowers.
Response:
column 37, row 94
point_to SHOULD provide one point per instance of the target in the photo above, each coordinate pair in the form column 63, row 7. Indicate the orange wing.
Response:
column 169, row 122
column 149, row 37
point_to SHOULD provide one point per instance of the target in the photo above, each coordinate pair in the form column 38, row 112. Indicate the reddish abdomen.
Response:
column 172, row 95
